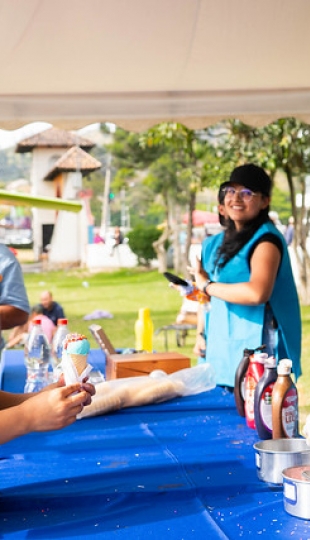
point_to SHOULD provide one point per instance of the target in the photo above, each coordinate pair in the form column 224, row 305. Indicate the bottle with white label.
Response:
column 284, row 403
column 263, row 399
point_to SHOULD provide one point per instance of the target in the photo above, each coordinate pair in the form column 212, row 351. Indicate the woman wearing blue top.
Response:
column 248, row 276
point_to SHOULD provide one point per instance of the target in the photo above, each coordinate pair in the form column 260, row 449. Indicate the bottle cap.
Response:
column 37, row 320
column 144, row 312
column 62, row 321
column 284, row 367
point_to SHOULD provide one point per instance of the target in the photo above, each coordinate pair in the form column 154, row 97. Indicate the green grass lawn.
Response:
column 122, row 293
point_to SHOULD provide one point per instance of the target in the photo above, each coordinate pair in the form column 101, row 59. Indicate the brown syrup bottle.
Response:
column 284, row 403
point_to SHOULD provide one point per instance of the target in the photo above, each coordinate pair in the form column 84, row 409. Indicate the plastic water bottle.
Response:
column 37, row 358
column 60, row 334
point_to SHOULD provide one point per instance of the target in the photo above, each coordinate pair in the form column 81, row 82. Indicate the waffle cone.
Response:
column 80, row 362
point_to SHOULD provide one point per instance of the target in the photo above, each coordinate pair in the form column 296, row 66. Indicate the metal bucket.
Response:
column 274, row 455
column 296, row 491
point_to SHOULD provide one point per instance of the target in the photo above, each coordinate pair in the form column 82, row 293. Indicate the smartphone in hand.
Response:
column 175, row 279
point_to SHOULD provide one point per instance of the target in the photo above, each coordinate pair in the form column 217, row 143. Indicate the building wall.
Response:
column 42, row 161
column 70, row 238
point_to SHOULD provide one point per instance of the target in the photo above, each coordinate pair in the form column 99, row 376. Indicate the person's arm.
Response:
column 18, row 335
column 200, row 344
column 264, row 266
column 48, row 410
column 14, row 305
column 11, row 316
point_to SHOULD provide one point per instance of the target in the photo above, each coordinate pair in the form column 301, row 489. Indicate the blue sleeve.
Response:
column 60, row 312
column 12, row 288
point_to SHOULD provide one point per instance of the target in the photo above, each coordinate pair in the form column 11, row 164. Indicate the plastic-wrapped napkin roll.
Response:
column 74, row 358
column 154, row 388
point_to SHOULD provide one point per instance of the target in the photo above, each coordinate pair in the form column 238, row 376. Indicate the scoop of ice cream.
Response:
column 76, row 344
column 76, row 348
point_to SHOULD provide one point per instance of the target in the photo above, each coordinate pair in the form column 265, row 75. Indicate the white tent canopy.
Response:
column 139, row 62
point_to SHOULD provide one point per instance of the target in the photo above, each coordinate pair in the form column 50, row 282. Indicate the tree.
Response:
column 130, row 162
column 177, row 175
column 141, row 240
column 168, row 159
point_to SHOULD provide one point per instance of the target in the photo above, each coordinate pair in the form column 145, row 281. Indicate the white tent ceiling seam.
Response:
column 141, row 110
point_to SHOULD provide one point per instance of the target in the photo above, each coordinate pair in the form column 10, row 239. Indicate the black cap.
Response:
column 252, row 177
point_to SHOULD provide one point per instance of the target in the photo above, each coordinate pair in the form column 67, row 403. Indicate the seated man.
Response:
column 51, row 309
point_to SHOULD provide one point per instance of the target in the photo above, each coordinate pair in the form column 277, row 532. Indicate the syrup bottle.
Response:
column 239, row 388
column 284, row 403
column 263, row 399
column 253, row 375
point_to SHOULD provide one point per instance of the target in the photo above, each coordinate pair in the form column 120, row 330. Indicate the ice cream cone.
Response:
column 75, row 351
column 80, row 362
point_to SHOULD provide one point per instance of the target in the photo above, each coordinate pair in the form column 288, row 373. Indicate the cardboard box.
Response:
column 138, row 364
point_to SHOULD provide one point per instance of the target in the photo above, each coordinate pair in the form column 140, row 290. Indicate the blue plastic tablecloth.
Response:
column 178, row 470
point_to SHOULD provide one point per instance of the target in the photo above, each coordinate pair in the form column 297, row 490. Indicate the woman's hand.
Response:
column 200, row 274
column 199, row 346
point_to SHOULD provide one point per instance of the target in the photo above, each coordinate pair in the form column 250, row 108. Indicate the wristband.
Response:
column 206, row 285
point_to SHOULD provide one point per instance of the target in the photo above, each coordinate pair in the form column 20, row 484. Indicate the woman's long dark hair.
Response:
column 235, row 240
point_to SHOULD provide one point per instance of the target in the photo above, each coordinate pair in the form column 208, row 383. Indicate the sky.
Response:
column 11, row 138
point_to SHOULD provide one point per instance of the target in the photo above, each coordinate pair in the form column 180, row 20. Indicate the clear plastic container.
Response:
column 37, row 358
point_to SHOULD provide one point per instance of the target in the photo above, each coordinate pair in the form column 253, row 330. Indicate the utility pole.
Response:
column 123, row 208
column 105, row 215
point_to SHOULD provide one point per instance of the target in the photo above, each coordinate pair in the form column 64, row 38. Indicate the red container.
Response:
column 253, row 375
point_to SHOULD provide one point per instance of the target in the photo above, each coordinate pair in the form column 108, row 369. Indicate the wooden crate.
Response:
column 138, row 364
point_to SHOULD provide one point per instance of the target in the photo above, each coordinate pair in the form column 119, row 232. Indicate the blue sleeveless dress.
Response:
column 233, row 327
